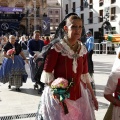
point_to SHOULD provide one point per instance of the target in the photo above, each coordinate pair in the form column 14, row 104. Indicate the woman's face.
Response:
column 12, row 39
column 74, row 29
column 5, row 39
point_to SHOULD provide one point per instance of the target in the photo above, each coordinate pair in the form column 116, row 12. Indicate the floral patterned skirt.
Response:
column 50, row 109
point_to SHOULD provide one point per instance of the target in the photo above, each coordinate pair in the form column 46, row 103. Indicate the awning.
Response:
column 11, row 9
column 112, row 37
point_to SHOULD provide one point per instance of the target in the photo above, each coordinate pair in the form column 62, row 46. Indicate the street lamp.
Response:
column 34, row 1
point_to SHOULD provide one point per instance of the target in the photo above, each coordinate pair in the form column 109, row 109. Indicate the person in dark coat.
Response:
column 35, row 46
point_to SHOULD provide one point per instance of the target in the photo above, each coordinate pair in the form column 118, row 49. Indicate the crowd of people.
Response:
column 12, row 68
column 23, row 41
column 68, row 63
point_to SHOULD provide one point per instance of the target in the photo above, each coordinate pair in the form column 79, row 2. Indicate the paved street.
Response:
column 24, row 104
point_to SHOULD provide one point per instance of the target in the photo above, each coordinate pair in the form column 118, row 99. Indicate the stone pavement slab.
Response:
column 25, row 103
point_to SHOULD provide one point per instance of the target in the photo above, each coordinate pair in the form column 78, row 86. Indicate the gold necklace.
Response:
column 73, row 47
column 74, row 44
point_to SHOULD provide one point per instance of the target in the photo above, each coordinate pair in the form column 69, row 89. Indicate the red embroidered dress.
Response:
column 62, row 65
column 62, row 61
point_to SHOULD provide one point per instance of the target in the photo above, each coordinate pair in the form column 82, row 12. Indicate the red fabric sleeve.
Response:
column 51, row 60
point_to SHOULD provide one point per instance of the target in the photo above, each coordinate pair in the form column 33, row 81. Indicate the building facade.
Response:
column 54, row 13
column 21, row 16
column 96, row 14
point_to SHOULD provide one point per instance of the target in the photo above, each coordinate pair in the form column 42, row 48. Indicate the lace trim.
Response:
column 46, row 77
column 86, row 78
column 67, row 51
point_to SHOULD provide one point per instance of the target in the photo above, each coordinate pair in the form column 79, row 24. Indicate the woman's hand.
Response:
column 95, row 103
column 35, row 56
column 26, row 60
column 49, row 84
column 116, row 102
column 10, row 56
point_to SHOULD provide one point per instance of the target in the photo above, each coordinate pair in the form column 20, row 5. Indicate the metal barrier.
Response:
column 104, row 48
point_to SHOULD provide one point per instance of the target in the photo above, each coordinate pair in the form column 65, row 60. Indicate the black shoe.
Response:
column 18, row 89
column 9, row 86
column 35, row 86
column 40, row 91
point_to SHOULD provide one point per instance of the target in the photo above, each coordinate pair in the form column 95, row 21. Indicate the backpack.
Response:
column 41, row 59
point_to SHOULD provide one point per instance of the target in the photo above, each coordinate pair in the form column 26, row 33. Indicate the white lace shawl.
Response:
column 67, row 51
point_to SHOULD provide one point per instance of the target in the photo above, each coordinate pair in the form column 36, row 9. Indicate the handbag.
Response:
column 108, row 115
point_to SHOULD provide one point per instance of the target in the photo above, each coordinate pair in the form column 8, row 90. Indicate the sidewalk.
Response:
column 102, row 65
column 23, row 105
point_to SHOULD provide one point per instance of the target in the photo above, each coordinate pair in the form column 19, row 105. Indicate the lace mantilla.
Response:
column 67, row 51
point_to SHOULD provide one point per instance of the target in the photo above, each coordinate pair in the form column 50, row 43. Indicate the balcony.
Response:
column 90, row 6
column 100, row 18
column 66, row 11
column 73, row 9
column 90, row 20
column 113, row 16
column 101, row 2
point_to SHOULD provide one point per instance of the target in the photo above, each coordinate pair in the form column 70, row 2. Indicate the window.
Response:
column 113, row 1
column 113, row 12
column 90, row 19
column 50, row 12
column 82, row 17
column 51, row 20
column 91, row 4
column 56, row 20
column 113, row 30
column 74, row 6
column 101, row 16
column 56, row 12
column 66, row 10
column 82, row 5
column 101, row 2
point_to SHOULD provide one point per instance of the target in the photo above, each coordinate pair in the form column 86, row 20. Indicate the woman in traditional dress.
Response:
column 67, row 59
column 112, row 89
column 13, row 67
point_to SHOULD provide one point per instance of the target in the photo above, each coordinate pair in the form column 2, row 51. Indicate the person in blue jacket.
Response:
column 35, row 46
column 90, row 46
